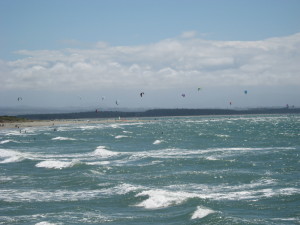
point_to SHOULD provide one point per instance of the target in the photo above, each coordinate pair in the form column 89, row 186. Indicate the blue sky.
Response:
column 117, row 48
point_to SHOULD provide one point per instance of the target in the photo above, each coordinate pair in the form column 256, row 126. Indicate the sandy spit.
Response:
column 52, row 123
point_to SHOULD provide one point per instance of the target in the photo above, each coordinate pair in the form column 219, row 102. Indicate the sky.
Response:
column 91, row 53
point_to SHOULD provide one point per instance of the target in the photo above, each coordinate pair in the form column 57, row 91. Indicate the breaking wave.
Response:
column 63, row 139
column 201, row 212
column 53, row 164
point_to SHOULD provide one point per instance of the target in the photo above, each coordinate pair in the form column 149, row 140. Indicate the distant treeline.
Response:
column 161, row 112
column 11, row 119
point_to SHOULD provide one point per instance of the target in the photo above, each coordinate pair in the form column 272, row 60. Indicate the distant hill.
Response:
column 160, row 113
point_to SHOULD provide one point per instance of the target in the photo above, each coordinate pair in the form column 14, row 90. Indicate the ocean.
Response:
column 153, row 171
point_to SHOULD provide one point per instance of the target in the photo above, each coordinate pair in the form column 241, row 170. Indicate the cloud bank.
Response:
column 186, row 61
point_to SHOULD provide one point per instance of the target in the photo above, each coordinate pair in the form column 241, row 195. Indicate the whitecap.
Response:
column 55, row 164
column 45, row 223
column 222, row 135
column 63, row 139
column 87, row 127
column 211, row 158
column 127, row 132
column 120, row 136
column 201, row 212
column 121, row 189
column 6, row 141
column 162, row 199
column 156, row 142
column 102, row 163
column 14, row 133
column 9, row 156
column 101, row 151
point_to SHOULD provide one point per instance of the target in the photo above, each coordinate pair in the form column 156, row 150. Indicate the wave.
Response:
column 122, row 189
column 14, row 133
column 7, row 141
column 120, row 136
column 127, row 132
column 10, row 156
column 57, row 161
column 63, row 139
column 175, row 195
column 156, row 142
column 45, row 223
column 162, row 198
column 115, row 126
column 222, row 135
column 102, row 152
column 209, row 154
column 54, row 164
column 93, row 216
column 201, row 212
column 40, row 195
column 88, row 127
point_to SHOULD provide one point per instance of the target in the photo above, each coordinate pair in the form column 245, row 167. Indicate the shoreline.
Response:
column 57, row 122
column 54, row 123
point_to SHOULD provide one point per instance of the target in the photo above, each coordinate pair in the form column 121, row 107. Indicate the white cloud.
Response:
column 189, row 34
column 170, row 63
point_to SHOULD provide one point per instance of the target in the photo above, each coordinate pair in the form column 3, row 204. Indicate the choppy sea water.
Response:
column 176, row 170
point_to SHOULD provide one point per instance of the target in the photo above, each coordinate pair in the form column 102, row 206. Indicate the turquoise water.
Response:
column 176, row 170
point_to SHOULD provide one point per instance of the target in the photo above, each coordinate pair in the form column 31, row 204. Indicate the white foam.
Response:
column 14, row 133
column 156, row 142
column 9, row 156
column 88, row 127
column 201, row 212
column 121, row 189
column 162, row 198
column 222, row 135
column 40, row 195
column 4, row 179
column 127, row 132
column 54, row 164
column 102, row 152
column 211, row 158
column 120, row 136
column 63, row 139
column 6, row 141
column 114, row 126
column 45, row 223
column 287, row 219
column 177, row 194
